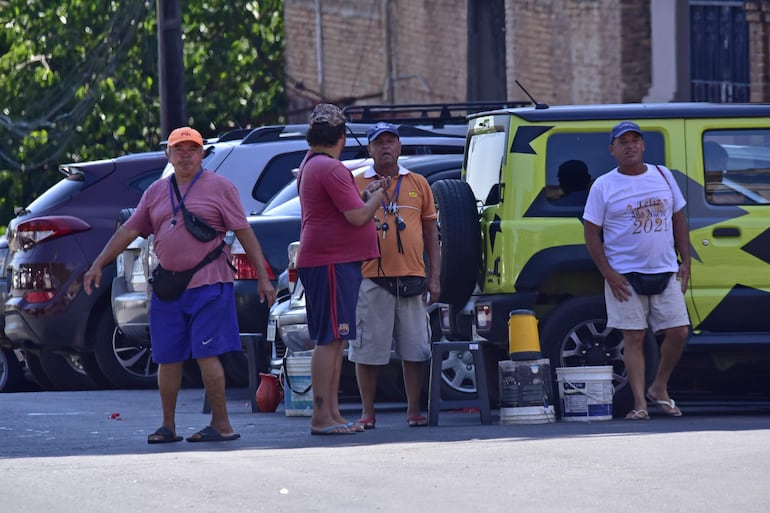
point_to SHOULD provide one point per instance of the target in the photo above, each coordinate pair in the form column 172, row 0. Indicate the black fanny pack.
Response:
column 648, row 284
column 169, row 285
column 197, row 227
column 404, row 286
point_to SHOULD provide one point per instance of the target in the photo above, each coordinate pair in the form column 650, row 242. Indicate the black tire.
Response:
column 11, row 372
column 576, row 334
column 124, row 362
column 458, row 375
column 236, row 367
column 37, row 373
column 460, row 237
column 65, row 372
column 91, row 367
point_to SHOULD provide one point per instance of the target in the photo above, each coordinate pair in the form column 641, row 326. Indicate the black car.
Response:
column 60, row 328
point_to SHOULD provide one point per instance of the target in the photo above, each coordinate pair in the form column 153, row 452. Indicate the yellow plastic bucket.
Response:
column 523, row 338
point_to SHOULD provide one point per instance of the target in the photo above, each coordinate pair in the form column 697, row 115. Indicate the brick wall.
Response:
column 431, row 59
column 353, row 61
column 758, row 18
column 361, row 63
column 635, row 47
column 562, row 51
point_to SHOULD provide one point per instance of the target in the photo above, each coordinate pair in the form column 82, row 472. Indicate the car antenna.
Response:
column 537, row 105
column 350, row 131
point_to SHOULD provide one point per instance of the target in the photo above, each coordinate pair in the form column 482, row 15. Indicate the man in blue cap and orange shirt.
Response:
column 394, row 294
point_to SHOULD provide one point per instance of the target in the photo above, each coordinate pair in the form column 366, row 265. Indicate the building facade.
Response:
column 561, row 51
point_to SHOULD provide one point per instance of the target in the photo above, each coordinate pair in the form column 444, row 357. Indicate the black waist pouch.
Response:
column 169, row 285
column 648, row 284
column 404, row 286
column 199, row 228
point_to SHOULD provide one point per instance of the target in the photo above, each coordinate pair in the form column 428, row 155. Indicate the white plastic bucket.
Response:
column 298, row 396
column 528, row 415
column 585, row 393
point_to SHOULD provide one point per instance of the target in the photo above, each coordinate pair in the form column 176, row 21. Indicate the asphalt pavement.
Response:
column 86, row 451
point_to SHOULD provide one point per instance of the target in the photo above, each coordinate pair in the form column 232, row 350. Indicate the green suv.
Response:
column 512, row 240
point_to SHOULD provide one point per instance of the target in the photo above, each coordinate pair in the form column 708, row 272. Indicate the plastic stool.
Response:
column 436, row 404
column 251, row 341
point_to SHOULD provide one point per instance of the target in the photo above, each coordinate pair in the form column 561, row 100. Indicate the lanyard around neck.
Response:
column 174, row 188
column 392, row 203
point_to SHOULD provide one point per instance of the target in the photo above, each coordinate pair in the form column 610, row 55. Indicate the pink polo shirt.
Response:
column 214, row 199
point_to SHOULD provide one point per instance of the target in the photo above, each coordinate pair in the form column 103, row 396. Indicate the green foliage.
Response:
column 80, row 80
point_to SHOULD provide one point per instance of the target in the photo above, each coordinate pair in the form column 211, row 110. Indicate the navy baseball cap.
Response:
column 381, row 128
column 623, row 127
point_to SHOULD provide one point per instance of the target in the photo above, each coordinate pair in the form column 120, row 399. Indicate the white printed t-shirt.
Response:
column 635, row 213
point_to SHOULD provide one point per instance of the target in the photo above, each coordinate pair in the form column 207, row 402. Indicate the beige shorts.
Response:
column 386, row 322
column 659, row 312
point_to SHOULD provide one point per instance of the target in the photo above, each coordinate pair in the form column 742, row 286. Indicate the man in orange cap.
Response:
column 201, row 322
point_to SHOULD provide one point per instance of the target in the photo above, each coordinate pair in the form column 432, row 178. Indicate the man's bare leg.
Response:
column 214, row 380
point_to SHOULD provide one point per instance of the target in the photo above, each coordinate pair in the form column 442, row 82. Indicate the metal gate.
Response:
column 719, row 51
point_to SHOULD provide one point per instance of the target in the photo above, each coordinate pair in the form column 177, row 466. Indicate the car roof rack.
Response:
column 436, row 114
column 234, row 135
column 271, row 133
column 360, row 117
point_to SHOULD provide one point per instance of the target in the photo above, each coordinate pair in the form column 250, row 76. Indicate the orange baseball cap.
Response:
column 185, row 134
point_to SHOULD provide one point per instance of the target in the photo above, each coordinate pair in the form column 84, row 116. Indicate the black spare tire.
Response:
column 460, row 237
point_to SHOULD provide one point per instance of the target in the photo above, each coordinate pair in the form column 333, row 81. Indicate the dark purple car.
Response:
column 54, row 240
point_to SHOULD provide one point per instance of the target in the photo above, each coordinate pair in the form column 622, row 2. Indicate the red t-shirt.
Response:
column 326, row 190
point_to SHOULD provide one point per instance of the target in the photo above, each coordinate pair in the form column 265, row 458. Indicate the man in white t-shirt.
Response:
column 635, row 223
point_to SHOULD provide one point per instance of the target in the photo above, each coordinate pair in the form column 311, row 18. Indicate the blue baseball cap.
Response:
column 381, row 128
column 623, row 127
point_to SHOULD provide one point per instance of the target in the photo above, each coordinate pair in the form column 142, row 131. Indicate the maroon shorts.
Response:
column 331, row 293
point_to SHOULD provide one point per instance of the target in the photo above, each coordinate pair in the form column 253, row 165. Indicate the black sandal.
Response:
column 163, row 435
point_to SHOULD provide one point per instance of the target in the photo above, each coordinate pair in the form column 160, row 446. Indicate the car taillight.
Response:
column 291, row 271
column 245, row 271
column 38, row 282
column 483, row 316
column 38, row 296
column 34, row 231
column 444, row 317
column 293, row 276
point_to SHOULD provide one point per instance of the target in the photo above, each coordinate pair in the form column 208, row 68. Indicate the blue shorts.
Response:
column 201, row 323
column 331, row 293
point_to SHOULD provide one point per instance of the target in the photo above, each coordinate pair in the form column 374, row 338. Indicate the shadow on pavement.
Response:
column 51, row 424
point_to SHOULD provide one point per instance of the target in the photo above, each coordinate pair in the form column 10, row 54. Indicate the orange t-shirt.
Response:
column 414, row 199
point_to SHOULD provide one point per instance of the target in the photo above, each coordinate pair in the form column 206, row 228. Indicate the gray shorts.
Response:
column 659, row 312
column 385, row 322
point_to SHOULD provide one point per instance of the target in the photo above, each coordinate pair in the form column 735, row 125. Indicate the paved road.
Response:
column 86, row 451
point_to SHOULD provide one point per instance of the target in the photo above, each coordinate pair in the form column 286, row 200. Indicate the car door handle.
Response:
column 726, row 232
